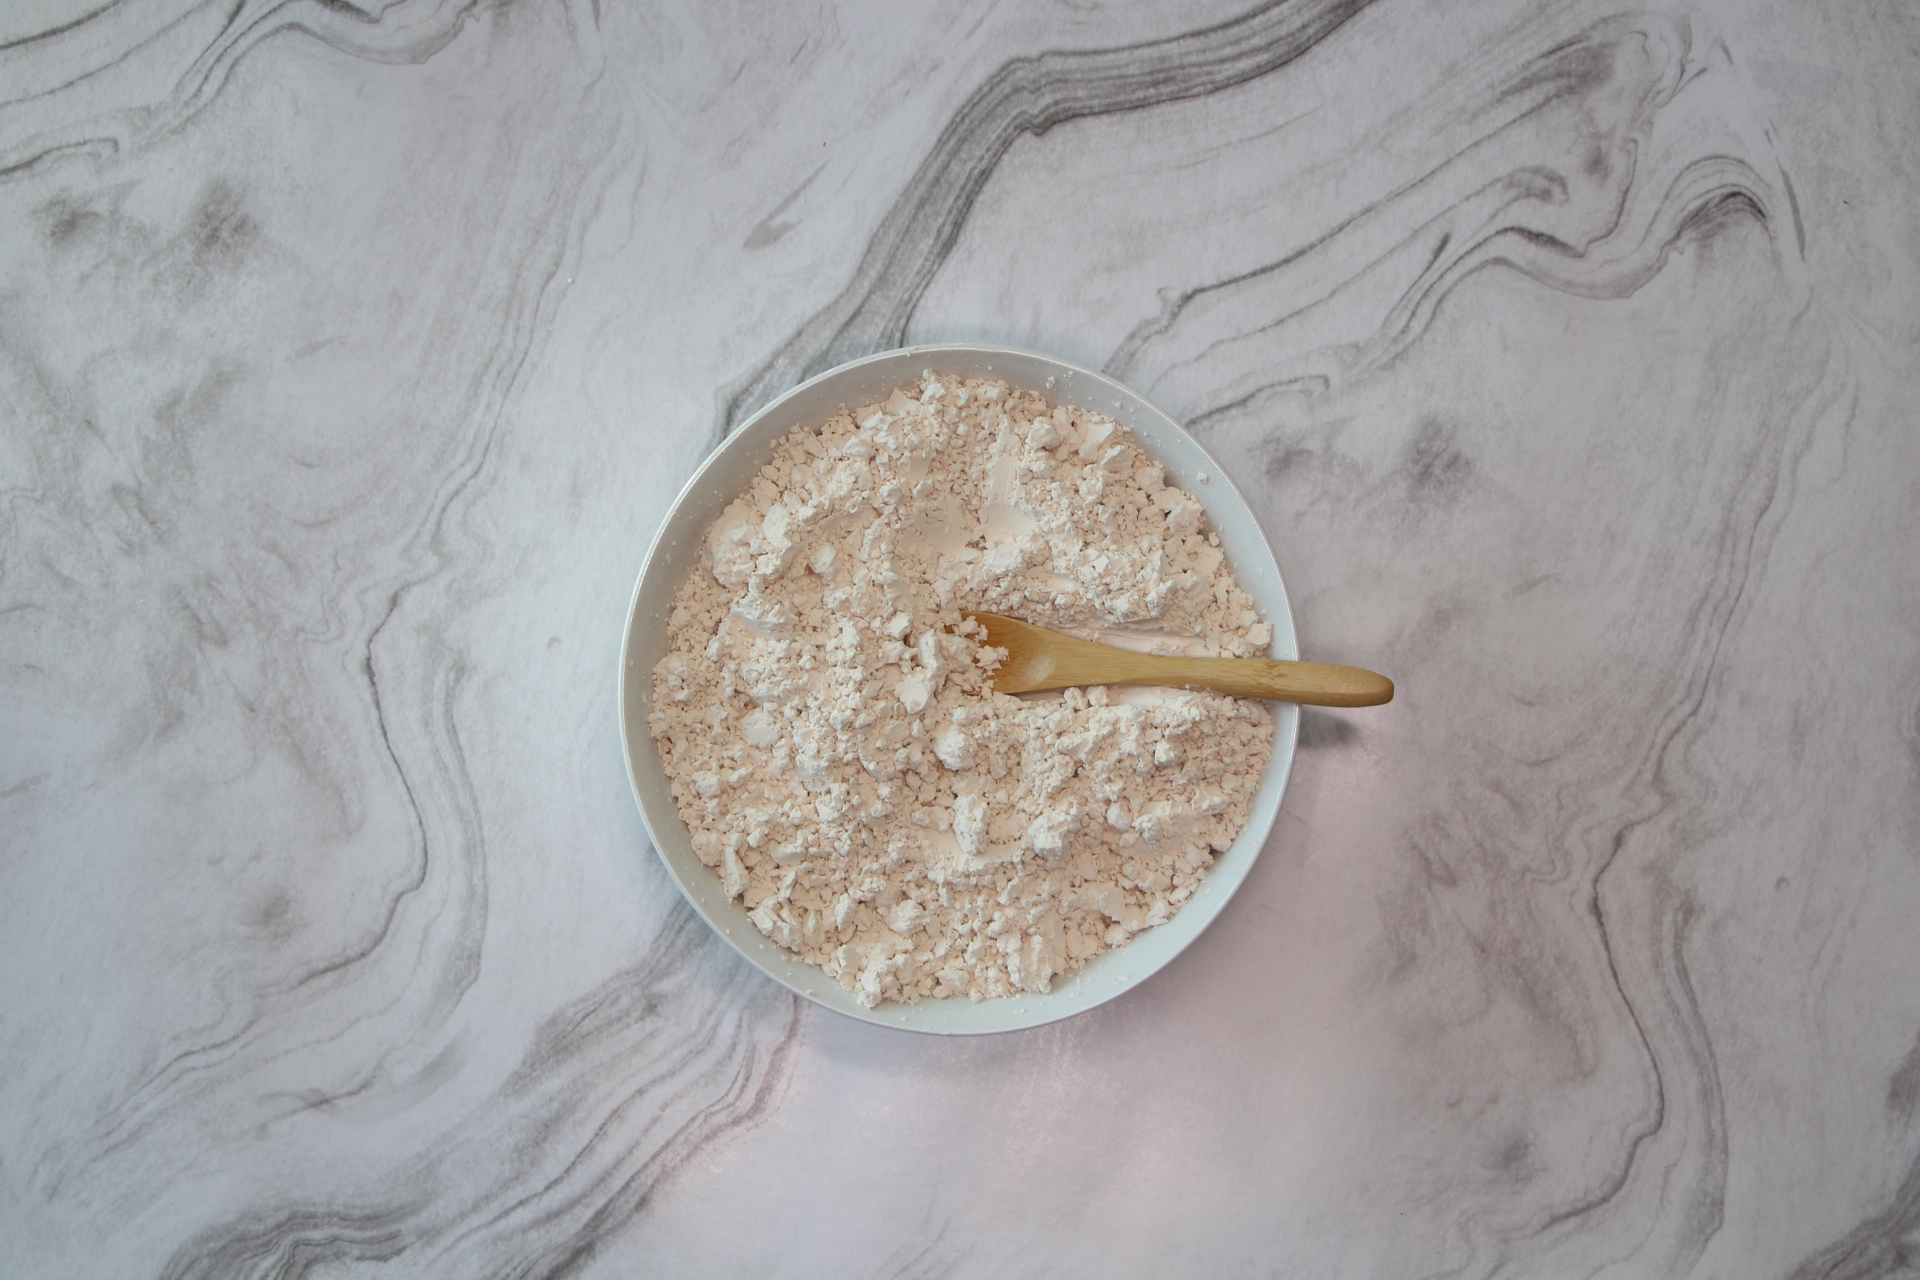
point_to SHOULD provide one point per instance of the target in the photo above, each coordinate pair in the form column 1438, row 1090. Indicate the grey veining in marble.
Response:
column 350, row 353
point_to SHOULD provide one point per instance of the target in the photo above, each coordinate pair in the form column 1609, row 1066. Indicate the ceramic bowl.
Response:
column 677, row 549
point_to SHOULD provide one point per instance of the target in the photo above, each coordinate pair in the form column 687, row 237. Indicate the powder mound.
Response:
column 825, row 720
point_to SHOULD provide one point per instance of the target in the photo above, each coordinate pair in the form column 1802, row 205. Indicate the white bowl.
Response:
column 676, row 552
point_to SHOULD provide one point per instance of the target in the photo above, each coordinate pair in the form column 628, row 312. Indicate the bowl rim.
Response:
column 634, row 688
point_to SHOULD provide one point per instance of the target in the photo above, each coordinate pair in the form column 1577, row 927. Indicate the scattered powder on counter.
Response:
column 825, row 721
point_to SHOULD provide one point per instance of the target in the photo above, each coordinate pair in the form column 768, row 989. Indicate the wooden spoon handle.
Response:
column 1316, row 684
column 1319, row 684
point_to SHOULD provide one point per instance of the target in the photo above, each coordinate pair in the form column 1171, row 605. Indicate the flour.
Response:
column 825, row 721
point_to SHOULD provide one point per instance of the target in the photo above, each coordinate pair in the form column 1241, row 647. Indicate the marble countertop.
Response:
column 351, row 351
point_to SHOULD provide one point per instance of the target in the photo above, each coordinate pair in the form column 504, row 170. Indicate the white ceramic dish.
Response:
column 731, row 468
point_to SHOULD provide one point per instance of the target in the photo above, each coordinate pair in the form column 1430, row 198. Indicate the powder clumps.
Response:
column 825, row 720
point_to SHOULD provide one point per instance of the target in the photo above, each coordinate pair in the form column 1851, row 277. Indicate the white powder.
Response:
column 829, row 738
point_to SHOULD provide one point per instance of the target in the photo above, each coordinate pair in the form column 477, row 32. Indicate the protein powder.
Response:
column 824, row 716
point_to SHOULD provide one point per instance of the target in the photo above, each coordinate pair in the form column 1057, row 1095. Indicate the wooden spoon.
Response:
column 1042, row 659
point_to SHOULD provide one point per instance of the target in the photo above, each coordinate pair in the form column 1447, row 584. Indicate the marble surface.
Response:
column 350, row 351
